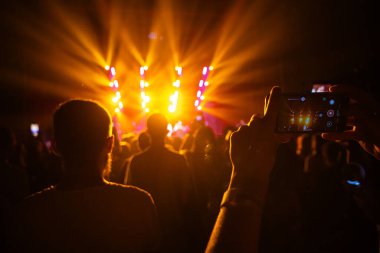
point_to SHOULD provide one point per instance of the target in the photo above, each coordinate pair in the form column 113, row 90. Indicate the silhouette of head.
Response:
column 83, row 134
column 144, row 140
column 157, row 126
column 203, row 137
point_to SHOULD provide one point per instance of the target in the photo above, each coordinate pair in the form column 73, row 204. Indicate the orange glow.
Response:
column 115, row 39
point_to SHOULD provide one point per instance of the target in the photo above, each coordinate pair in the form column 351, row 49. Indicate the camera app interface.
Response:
column 318, row 112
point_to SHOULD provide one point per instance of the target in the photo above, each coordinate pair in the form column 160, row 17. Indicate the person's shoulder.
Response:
column 45, row 193
column 139, row 156
column 132, row 193
column 172, row 152
column 37, row 200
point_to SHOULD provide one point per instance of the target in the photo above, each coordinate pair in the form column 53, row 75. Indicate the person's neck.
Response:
column 158, row 144
column 72, row 180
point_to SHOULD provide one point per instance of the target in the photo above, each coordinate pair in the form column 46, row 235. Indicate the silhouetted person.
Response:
column 205, row 169
column 164, row 174
column 14, row 184
column 84, row 213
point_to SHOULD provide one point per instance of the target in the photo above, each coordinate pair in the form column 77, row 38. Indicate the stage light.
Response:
column 201, row 83
column 116, row 83
column 177, row 84
column 199, row 94
column 171, row 108
column 179, row 70
column 107, row 67
column 111, row 84
column 146, row 84
column 118, row 94
column 204, row 72
column 113, row 71
column 206, row 83
column 121, row 105
column 146, row 109
column 142, row 71
column 115, row 99
column 145, row 68
column 196, row 103
column 199, row 108
column 142, row 84
column 202, row 97
column 117, row 110
column 211, row 68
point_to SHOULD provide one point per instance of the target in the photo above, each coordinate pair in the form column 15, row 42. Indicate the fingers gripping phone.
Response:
column 312, row 113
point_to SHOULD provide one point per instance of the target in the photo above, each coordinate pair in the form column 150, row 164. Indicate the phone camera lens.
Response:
column 329, row 124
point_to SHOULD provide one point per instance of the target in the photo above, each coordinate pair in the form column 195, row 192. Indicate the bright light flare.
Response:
column 113, row 71
column 179, row 70
column 205, row 70
column 107, row 68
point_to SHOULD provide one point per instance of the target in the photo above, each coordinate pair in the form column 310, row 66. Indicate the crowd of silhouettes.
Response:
column 87, row 191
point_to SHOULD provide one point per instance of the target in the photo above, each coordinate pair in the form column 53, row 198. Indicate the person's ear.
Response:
column 109, row 143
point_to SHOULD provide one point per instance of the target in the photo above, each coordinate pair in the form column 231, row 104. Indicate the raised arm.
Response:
column 252, row 152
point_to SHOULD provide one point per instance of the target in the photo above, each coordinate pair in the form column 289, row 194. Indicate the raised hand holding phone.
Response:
column 363, row 117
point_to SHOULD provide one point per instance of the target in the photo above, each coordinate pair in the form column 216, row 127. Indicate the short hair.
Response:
column 157, row 125
column 81, row 128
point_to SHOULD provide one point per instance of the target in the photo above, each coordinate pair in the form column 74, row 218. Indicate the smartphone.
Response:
column 312, row 113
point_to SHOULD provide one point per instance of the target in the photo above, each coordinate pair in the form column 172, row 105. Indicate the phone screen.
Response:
column 317, row 88
column 312, row 113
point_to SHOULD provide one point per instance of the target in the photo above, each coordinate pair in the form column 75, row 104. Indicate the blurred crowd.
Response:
column 323, row 195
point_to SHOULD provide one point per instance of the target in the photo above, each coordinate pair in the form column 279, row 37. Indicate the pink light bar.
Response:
column 205, row 70
column 113, row 71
